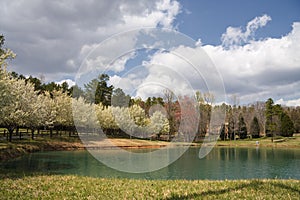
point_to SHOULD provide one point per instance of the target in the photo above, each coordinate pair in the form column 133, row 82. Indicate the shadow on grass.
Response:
column 253, row 184
column 6, row 173
column 287, row 187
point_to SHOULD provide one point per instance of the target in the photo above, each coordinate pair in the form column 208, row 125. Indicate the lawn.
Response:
column 76, row 187
column 280, row 142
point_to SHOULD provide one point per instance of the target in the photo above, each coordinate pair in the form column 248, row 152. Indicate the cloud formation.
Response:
column 52, row 38
column 253, row 70
column 49, row 36
column 236, row 36
column 261, row 69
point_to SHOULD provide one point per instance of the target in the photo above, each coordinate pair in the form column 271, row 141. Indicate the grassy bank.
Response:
column 74, row 187
column 9, row 150
column 20, row 147
column 288, row 142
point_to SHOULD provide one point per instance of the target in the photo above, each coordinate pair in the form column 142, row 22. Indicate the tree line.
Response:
column 29, row 103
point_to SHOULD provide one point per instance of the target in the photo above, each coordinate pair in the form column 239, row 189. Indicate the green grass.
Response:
column 282, row 142
column 75, row 187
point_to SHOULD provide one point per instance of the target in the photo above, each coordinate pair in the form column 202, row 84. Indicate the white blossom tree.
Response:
column 47, row 111
column 63, row 109
column 19, row 104
column 84, row 115
column 159, row 123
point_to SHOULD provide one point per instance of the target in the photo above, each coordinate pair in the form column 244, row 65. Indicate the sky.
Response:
column 248, row 49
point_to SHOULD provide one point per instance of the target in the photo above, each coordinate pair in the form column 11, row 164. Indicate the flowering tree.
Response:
column 19, row 104
column 106, row 118
column 159, row 123
column 63, row 109
column 84, row 115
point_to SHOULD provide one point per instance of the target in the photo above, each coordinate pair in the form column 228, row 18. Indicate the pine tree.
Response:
column 242, row 127
column 270, row 118
column 287, row 126
column 254, row 128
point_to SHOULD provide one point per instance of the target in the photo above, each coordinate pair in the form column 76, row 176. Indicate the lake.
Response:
column 221, row 163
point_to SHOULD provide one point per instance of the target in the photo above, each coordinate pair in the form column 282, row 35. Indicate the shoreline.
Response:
column 16, row 149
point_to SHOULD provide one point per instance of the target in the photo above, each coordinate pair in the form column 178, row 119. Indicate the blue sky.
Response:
column 208, row 20
column 254, row 45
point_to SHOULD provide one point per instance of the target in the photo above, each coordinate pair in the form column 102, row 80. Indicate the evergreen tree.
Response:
column 287, row 126
column 294, row 114
column 269, row 113
column 254, row 128
column 2, row 51
column 222, row 132
column 119, row 98
column 36, row 82
column 97, row 90
column 242, row 127
column 76, row 92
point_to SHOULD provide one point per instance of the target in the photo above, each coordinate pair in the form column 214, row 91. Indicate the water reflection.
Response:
column 220, row 163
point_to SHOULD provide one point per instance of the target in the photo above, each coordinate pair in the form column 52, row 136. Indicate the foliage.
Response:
column 5, row 54
column 159, row 123
column 223, row 132
column 119, row 98
column 242, row 129
column 287, row 126
column 278, row 122
column 270, row 121
column 84, row 114
column 19, row 105
column 30, row 103
column 169, row 98
column 97, row 90
column 294, row 114
column 254, row 129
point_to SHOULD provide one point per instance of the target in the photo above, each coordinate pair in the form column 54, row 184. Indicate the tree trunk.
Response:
column 17, row 131
column 10, row 133
column 51, row 133
column 10, row 136
column 32, row 134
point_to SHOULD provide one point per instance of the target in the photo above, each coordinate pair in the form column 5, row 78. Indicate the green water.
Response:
column 220, row 163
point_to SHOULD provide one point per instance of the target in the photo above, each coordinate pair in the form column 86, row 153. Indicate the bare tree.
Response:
column 235, row 100
column 169, row 98
column 260, row 112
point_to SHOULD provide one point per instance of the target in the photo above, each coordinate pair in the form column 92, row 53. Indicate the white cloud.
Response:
column 129, row 84
column 261, row 69
column 295, row 102
column 254, row 71
column 52, row 37
column 69, row 81
column 183, row 70
column 118, row 64
column 236, row 36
